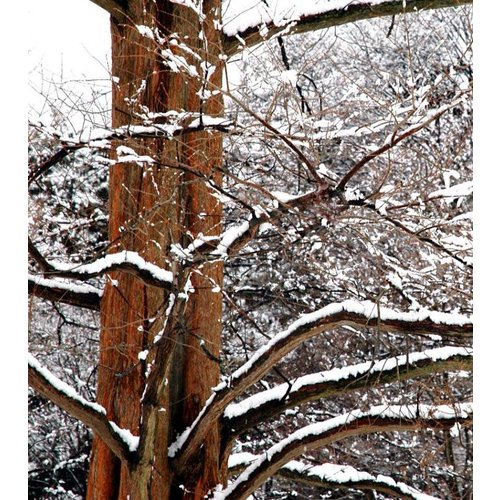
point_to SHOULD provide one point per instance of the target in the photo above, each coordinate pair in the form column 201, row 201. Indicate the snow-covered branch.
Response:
column 120, row 441
column 381, row 418
column 127, row 261
column 352, row 313
column 334, row 476
column 85, row 296
column 263, row 405
column 101, row 138
column 263, row 20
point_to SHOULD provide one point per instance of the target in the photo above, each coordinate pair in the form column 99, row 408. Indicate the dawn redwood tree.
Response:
column 165, row 420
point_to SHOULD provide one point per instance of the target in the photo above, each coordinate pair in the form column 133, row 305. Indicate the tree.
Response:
column 166, row 420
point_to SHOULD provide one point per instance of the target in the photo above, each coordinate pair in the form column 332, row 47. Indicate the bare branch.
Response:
column 395, row 140
column 356, row 423
column 56, row 291
column 260, row 27
column 264, row 405
column 91, row 414
column 38, row 257
column 352, row 313
column 333, row 476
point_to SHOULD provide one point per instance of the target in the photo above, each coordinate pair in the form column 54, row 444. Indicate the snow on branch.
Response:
column 125, row 260
column 334, row 476
column 101, row 138
column 350, row 312
column 263, row 405
column 417, row 124
column 263, row 20
column 381, row 418
column 121, row 442
column 85, row 296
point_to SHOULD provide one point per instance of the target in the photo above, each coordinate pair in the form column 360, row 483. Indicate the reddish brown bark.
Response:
column 152, row 207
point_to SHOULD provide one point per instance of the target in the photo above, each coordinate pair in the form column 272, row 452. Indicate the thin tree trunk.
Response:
column 152, row 207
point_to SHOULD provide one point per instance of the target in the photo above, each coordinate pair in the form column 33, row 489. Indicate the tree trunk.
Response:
column 151, row 207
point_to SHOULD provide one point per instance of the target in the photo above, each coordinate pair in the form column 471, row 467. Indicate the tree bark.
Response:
column 151, row 208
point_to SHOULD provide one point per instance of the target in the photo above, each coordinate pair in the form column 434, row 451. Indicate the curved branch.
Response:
column 116, row 8
column 56, row 291
column 333, row 476
column 264, row 405
column 37, row 256
column 126, row 261
column 119, row 441
column 356, row 423
column 356, row 314
column 258, row 26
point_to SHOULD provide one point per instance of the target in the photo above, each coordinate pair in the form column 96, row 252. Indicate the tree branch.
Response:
column 126, row 261
column 258, row 26
column 266, row 404
column 56, row 291
column 119, row 441
column 352, row 313
column 394, row 140
column 116, row 8
column 101, row 139
column 356, row 423
column 332, row 476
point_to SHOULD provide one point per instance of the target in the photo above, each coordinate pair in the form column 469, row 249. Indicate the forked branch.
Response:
column 356, row 314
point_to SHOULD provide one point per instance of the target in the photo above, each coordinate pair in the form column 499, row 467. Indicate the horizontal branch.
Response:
column 126, row 261
column 334, row 476
column 261, row 406
column 101, row 138
column 352, row 313
column 85, row 296
column 258, row 23
column 356, row 423
column 119, row 441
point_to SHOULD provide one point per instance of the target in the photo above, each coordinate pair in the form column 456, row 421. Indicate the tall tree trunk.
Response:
column 152, row 207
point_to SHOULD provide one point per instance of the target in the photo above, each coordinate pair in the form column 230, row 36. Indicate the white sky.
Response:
column 68, row 43
column 69, row 37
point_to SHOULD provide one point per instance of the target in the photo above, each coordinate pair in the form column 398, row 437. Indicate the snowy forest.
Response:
column 250, row 256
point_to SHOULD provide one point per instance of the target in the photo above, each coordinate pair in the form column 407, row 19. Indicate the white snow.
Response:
column 64, row 285
column 131, row 441
column 337, row 374
column 61, row 386
column 229, row 237
column 241, row 15
column 124, row 257
column 456, row 191
column 423, row 412
column 366, row 309
column 128, row 438
column 333, row 473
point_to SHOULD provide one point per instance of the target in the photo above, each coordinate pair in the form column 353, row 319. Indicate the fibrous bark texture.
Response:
column 153, row 206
